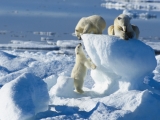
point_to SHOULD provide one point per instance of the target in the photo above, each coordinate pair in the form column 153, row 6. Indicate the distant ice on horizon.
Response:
column 132, row 5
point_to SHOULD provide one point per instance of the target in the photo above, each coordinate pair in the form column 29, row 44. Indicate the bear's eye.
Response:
column 119, row 18
column 76, row 30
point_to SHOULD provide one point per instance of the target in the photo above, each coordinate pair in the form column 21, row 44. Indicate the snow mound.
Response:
column 23, row 97
column 63, row 88
column 9, row 62
column 51, row 81
column 120, row 64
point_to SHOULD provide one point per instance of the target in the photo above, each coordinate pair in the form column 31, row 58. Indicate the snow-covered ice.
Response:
column 135, row 9
column 67, row 44
column 132, row 5
column 23, row 97
column 145, row 15
column 125, row 84
column 59, row 47
column 19, row 44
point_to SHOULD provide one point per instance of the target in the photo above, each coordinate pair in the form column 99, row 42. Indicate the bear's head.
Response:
column 78, row 33
column 123, row 21
column 79, row 49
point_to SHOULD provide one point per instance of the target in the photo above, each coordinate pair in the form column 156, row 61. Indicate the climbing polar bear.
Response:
column 123, row 28
column 93, row 24
column 80, row 68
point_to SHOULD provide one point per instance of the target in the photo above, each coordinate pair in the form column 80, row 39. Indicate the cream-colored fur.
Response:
column 135, row 28
column 93, row 24
column 82, row 63
column 111, row 30
column 123, row 28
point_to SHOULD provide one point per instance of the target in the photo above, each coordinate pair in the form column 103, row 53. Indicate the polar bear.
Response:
column 135, row 28
column 123, row 28
column 93, row 24
column 79, row 71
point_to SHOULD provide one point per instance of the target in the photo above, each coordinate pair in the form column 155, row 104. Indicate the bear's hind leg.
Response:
column 86, row 29
column 79, row 90
column 97, row 30
column 78, row 84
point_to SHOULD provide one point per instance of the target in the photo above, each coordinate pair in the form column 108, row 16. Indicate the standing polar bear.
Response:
column 123, row 28
column 80, row 68
column 93, row 24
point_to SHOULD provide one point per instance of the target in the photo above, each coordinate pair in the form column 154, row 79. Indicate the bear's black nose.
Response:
column 79, row 38
column 80, row 44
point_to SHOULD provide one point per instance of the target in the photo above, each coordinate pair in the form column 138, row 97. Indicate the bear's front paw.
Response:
column 80, row 91
column 130, row 34
column 124, row 36
column 90, row 59
column 94, row 66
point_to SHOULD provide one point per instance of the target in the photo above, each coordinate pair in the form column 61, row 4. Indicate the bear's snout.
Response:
column 79, row 45
column 79, row 38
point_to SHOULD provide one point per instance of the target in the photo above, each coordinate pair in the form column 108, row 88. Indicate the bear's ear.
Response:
column 119, row 18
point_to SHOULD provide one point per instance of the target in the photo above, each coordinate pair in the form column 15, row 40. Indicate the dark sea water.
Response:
column 38, row 20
